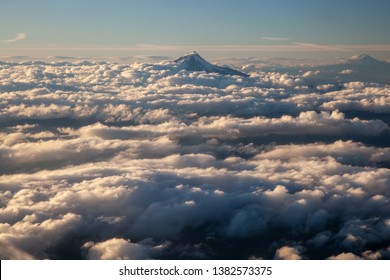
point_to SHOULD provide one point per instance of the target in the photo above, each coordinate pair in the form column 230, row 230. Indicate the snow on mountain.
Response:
column 363, row 59
column 192, row 61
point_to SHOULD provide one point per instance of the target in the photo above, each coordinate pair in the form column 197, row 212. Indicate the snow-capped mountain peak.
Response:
column 362, row 59
column 192, row 61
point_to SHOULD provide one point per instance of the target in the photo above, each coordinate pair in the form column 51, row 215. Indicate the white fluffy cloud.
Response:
column 345, row 256
column 111, row 161
column 344, row 151
column 346, row 72
column 116, row 249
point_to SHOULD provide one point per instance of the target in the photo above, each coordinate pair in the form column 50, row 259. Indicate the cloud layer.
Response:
column 103, row 160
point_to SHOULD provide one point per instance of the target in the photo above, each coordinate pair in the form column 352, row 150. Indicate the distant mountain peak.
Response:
column 192, row 61
column 362, row 59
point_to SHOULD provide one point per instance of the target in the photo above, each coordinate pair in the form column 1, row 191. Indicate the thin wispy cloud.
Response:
column 18, row 37
column 313, row 46
column 277, row 39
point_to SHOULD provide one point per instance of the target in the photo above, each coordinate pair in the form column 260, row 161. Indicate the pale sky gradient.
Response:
column 301, row 28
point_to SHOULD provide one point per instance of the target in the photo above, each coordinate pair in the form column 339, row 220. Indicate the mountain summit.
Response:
column 363, row 59
column 192, row 61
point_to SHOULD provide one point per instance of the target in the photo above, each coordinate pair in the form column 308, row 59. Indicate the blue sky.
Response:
column 232, row 27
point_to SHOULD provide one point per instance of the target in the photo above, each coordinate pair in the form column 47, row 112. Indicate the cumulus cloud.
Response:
column 347, row 152
column 288, row 253
column 9, row 252
column 357, row 97
column 18, row 37
column 345, row 256
column 346, row 72
column 116, row 249
column 103, row 160
column 311, row 73
column 309, row 123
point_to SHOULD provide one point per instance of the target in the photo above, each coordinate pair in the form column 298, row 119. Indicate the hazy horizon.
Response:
column 230, row 28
